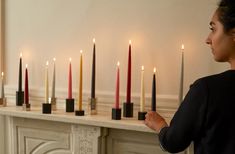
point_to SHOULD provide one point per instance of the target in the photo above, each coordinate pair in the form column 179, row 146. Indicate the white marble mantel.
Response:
column 91, row 120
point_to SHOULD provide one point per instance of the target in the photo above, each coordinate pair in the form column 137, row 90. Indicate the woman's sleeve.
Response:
column 187, row 121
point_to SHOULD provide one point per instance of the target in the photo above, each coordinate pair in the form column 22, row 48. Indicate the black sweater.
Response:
column 206, row 117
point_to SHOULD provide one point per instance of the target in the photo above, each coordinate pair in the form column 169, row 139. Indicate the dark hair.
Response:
column 226, row 14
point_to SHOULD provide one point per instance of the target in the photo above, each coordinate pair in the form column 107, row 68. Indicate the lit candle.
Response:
column 154, row 91
column 80, row 84
column 181, row 75
column 128, row 92
column 26, row 88
column 46, row 84
column 93, row 72
column 2, row 94
column 142, row 92
column 20, row 74
column 70, row 80
column 117, row 87
column 53, row 80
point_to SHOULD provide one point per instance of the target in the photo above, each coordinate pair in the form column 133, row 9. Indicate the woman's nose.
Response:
column 208, row 40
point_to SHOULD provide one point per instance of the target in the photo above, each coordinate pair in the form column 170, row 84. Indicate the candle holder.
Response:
column 19, row 98
column 26, row 107
column 46, row 108
column 53, row 103
column 127, row 109
column 92, row 106
column 141, row 115
column 79, row 112
column 69, row 105
column 3, row 102
column 116, row 114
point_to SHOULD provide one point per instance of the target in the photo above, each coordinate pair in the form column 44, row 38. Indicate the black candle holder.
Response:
column 53, row 103
column 79, row 112
column 3, row 102
column 128, row 109
column 46, row 108
column 26, row 107
column 116, row 114
column 92, row 106
column 69, row 105
column 19, row 98
column 141, row 115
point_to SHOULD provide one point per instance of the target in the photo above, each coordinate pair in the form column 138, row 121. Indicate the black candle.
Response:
column 93, row 73
column 20, row 74
column 154, row 92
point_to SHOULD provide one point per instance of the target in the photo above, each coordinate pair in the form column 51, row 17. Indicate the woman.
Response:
column 206, row 115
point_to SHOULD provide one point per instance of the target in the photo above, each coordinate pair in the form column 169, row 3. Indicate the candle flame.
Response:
column 142, row 68
column 93, row 40
column 118, row 63
column 182, row 46
column 81, row 51
column 70, row 59
column 54, row 59
column 2, row 74
column 47, row 63
column 21, row 55
column 26, row 65
column 154, row 70
column 130, row 42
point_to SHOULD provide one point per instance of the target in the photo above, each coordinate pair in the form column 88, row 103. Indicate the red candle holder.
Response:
column 116, row 114
column 127, row 109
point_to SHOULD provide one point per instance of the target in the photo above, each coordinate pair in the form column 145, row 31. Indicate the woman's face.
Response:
column 222, row 44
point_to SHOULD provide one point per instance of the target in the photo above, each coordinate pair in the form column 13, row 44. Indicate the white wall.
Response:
column 45, row 29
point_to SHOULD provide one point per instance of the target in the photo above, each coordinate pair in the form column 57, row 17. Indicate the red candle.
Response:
column 70, row 81
column 128, row 92
column 26, row 90
column 117, row 88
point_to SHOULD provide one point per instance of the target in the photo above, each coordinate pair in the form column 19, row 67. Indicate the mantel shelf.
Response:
column 92, row 120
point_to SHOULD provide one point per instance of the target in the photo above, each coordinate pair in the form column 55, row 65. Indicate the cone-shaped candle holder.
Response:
column 92, row 106
column 26, row 107
column 53, row 104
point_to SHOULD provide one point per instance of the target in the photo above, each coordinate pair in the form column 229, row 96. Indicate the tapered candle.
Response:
column 46, row 84
column 2, row 79
column 142, row 92
column 181, row 75
column 128, row 91
column 154, row 91
column 80, row 84
column 117, row 87
column 26, row 87
column 53, row 80
column 93, row 72
column 70, row 80
column 20, row 74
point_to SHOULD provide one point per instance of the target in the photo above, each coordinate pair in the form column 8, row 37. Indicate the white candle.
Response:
column 2, row 94
column 53, row 80
column 46, row 84
column 181, row 75
column 142, row 93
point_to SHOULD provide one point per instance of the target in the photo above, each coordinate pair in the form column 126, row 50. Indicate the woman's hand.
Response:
column 154, row 121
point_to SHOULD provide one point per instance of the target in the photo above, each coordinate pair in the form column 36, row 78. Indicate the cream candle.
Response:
column 46, row 84
column 181, row 75
column 142, row 92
